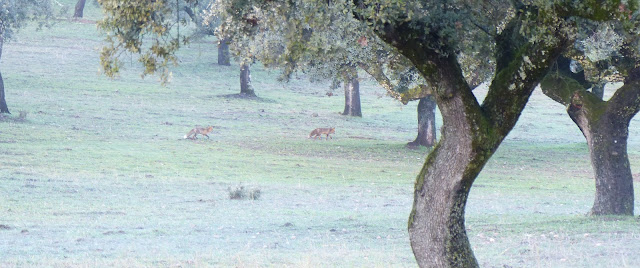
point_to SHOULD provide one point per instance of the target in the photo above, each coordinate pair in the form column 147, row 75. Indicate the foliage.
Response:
column 322, row 43
column 326, row 42
column 241, row 193
column 128, row 23
column 15, row 14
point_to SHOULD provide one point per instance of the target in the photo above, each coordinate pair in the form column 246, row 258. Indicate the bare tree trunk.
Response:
column 3, row 102
column 79, row 10
column 352, row 94
column 245, row 81
column 426, row 123
column 610, row 162
column 224, row 57
column 605, row 126
column 436, row 224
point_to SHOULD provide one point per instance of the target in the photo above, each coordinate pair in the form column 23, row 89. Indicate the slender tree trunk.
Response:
column 3, row 102
column 246, row 88
column 426, row 123
column 224, row 57
column 352, row 95
column 79, row 10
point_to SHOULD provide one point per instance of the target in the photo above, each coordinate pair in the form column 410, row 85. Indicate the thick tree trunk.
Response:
column 426, row 123
column 79, row 10
column 352, row 95
column 246, row 88
column 614, row 182
column 3, row 102
column 605, row 126
column 224, row 57
column 436, row 225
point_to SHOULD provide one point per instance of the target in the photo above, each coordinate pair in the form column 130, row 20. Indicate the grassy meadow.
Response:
column 98, row 173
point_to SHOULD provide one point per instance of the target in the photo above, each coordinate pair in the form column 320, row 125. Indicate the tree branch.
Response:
column 417, row 92
column 626, row 100
column 520, row 65
column 560, row 87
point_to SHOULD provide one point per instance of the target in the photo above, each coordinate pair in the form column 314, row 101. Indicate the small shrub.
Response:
column 240, row 193
column 22, row 115
column 237, row 193
column 254, row 194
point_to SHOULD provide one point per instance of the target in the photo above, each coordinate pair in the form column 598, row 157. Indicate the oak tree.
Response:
column 606, row 52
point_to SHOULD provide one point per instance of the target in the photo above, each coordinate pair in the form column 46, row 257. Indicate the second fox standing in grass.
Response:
column 198, row 130
column 319, row 131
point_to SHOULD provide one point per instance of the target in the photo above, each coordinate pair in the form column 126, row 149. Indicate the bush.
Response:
column 240, row 193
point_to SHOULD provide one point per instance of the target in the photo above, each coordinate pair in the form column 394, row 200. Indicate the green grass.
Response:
column 98, row 174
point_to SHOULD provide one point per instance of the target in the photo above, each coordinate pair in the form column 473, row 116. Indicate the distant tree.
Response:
column 206, row 25
column 333, row 48
column 79, row 9
column 272, row 42
column 224, row 57
column 15, row 15
column 351, row 83
column 426, row 123
column 606, row 53
column 246, row 89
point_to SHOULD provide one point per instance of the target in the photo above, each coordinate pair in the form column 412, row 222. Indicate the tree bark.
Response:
column 352, row 94
column 426, row 123
column 3, row 103
column 79, row 10
column 246, row 89
column 605, row 126
column 610, row 162
column 224, row 57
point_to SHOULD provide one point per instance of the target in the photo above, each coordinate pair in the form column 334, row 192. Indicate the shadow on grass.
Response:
column 244, row 96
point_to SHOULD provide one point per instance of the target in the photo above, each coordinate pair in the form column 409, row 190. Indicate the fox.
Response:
column 319, row 131
column 198, row 130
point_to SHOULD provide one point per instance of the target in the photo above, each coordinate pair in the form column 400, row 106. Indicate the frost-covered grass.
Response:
column 98, row 173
